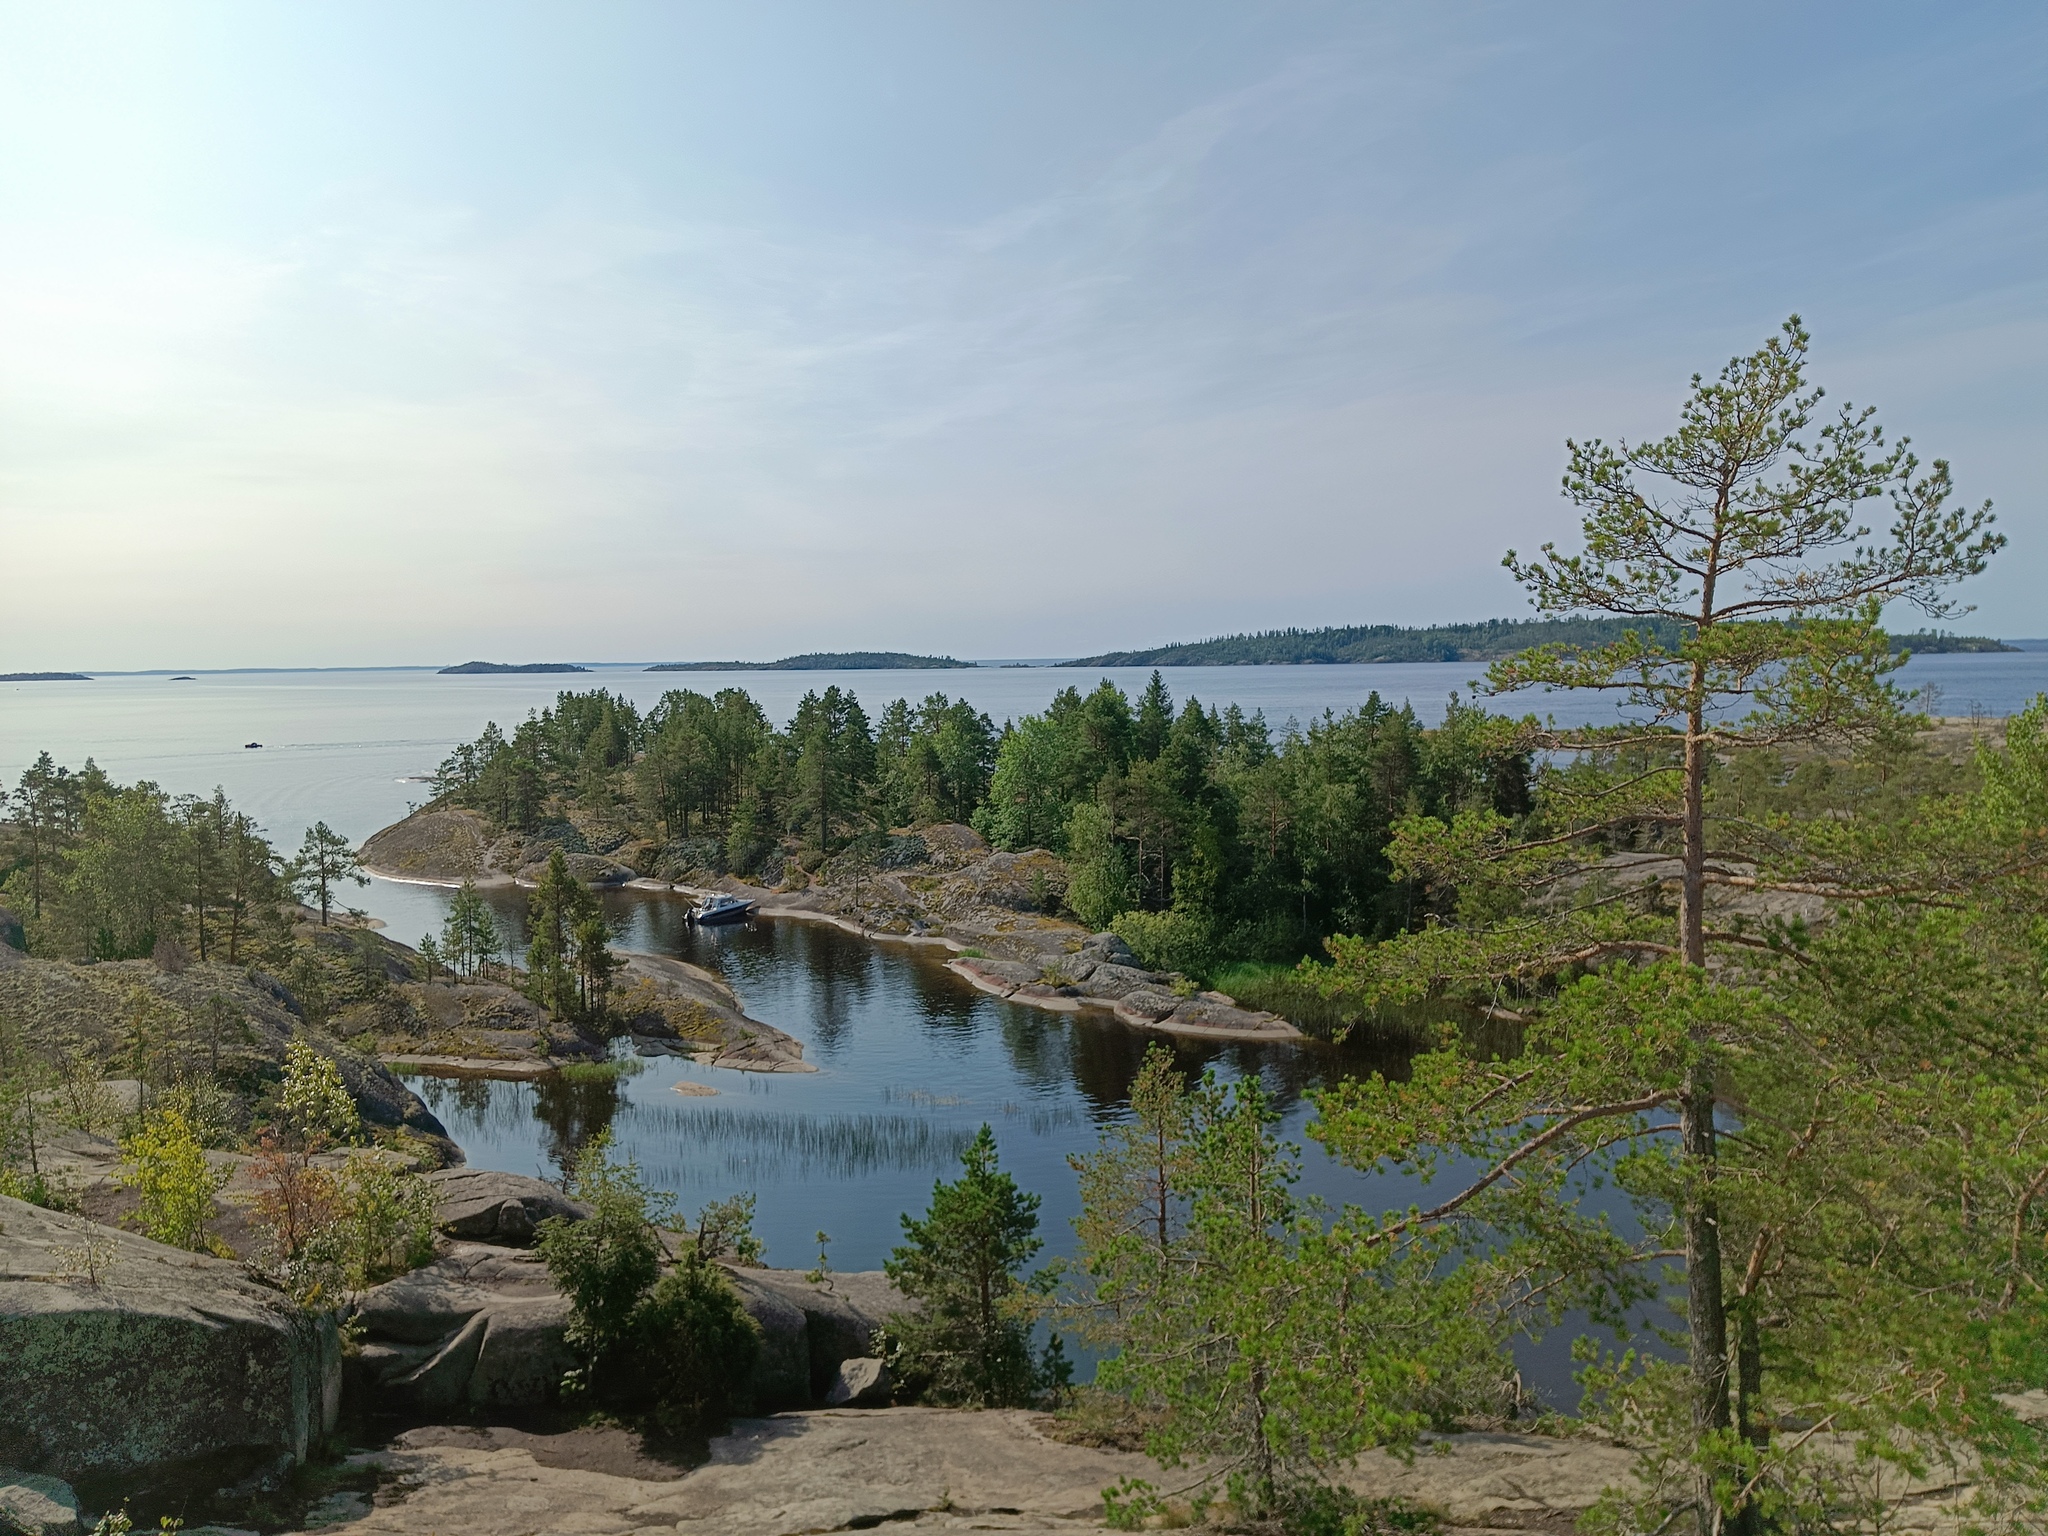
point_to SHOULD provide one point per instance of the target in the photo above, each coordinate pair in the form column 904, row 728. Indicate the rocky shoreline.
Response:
column 940, row 886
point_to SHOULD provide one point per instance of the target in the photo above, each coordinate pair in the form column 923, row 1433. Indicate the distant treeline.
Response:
column 1204, row 834
column 1485, row 641
column 824, row 661
column 44, row 677
column 471, row 668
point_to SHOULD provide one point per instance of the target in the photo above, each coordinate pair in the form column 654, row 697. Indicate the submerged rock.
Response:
column 122, row 1359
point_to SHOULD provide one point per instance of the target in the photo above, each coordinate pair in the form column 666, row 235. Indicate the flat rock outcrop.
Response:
column 1100, row 971
column 924, row 1468
column 122, row 1359
column 670, row 1004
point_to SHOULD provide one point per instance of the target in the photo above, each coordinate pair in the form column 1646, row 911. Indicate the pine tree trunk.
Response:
column 1706, row 1312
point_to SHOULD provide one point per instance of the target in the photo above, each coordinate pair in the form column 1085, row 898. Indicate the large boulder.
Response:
column 480, row 1327
column 36, row 1505
column 862, row 1383
column 11, row 935
column 483, row 1206
column 840, row 1315
column 483, row 1327
column 122, row 1360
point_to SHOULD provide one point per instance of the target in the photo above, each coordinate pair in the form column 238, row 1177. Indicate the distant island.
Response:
column 824, row 661
column 44, row 677
column 1487, row 641
column 471, row 668
column 1932, row 642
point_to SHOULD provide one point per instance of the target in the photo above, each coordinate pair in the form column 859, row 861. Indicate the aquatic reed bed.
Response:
column 775, row 1144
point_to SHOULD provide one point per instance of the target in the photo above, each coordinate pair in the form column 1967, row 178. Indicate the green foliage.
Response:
column 469, row 934
column 1322, row 1509
column 165, row 1164
column 387, row 1225
column 680, row 1341
column 314, row 1109
column 725, row 1229
column 110, row 870
column 1099, row 880
column 1168, row 941
column 970, row 1340
column 932, row 762
column 333, row 1233
column 607, row 1264
column 326, row 862
column 1257, row 1335
column 569, row 963
column 696, row 1345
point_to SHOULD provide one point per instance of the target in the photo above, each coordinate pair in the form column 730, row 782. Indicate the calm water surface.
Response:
column 912, row 1059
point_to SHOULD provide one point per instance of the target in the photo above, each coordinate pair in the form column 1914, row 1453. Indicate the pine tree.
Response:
column 326, row 862
column 970, row 1341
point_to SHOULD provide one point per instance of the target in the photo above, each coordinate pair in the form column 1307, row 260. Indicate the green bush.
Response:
column 1320, row 1509
column 679, row 1343
column 163, row 1162
column 694, row 1347
column 602, row 1071
column 1168, row 941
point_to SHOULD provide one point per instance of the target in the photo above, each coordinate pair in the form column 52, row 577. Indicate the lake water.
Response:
column 911, row 1058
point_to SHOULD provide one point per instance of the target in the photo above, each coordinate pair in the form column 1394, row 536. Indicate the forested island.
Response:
column 1764, row 970
column 473, row 668
column 44, row 677
column 825, row 661
column 1486, row 641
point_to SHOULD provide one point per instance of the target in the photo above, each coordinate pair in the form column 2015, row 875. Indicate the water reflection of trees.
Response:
column 573, row 1112
column 841, row 971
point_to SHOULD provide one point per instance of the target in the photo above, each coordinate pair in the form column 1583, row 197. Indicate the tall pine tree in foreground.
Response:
column 1654, row 1033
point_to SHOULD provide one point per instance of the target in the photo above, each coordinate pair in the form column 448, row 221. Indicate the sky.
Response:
column 376, row 334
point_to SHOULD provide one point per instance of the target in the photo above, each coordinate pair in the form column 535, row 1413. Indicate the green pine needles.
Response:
column 970, row 1339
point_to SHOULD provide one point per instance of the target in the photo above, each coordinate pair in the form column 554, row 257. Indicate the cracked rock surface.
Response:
column 927, row 1468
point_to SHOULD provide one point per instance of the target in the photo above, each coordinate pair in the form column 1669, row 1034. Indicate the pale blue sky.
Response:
column 379, row 333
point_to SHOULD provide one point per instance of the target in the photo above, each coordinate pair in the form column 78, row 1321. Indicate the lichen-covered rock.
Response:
column 121, row 1358
column 1145, row 1005
column 442, row 845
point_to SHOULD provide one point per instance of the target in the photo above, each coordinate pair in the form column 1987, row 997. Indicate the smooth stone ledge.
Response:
column 1053, row 1002
column 473, row 1066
